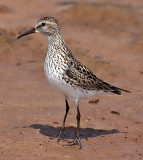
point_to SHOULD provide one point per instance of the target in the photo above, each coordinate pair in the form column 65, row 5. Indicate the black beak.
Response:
column 27, row 32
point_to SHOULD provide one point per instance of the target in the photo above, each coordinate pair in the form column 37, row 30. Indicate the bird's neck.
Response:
column 56, row 42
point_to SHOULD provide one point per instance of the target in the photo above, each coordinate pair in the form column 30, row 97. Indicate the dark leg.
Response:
column 77, row 140
column 63, row 124
column 78, row 122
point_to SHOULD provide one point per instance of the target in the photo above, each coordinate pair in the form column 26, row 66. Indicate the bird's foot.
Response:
column 76, row 141
column 59, row 135
column 60, row 138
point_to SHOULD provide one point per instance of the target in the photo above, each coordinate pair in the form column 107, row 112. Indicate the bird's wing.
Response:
column 81, row 76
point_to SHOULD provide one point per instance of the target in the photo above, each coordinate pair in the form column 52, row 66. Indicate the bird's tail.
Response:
column 112, row 89
column 117, row 90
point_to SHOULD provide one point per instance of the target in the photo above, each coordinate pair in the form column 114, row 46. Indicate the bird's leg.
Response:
column 78, row 122
column 77, row 140
column 63, row 124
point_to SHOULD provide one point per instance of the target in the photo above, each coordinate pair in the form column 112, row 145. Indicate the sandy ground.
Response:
column 106, row 36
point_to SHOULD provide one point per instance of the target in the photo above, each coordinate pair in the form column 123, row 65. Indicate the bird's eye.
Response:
column 43, row 24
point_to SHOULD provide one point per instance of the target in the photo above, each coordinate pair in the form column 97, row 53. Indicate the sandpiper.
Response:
column 66, row 73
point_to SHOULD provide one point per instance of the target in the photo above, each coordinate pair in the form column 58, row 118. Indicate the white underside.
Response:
column 73, row 91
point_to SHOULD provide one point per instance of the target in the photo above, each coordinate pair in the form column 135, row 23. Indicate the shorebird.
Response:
column 67, row 74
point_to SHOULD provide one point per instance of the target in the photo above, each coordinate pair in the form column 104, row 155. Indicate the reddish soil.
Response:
column 107, row 37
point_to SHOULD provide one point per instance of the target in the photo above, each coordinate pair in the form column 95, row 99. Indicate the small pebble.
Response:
column 115, row 112
column 93, row 101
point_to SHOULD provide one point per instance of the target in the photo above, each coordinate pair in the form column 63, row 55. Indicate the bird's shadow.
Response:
column 51, row 131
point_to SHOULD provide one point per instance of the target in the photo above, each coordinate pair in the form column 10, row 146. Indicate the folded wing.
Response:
column 81, row 76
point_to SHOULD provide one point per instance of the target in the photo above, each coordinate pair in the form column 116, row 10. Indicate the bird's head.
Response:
column 47, row 26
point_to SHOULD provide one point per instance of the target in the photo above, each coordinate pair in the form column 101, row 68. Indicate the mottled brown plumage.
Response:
column 81, row 76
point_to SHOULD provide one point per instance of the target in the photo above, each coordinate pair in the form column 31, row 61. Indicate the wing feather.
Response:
column 81, row 76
